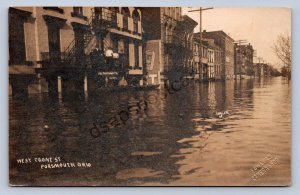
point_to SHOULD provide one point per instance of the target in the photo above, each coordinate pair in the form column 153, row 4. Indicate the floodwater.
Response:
column 177, row 139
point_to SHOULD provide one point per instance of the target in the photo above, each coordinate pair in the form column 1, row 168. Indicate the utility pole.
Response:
column 200, row 36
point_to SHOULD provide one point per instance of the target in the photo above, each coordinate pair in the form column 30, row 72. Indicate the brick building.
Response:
column 243, row 58
column 226, row 44
column 49, row 47
column 168, row 36
column 211, row 59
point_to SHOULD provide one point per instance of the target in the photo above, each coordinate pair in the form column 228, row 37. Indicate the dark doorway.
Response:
column 126, row 53
column 54, row 43
column 79, row 47
column 17, row 51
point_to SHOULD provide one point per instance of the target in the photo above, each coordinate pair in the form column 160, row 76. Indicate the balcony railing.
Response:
column 172, row 40
column 51, row 56
column 104, row 19
column 60, row 59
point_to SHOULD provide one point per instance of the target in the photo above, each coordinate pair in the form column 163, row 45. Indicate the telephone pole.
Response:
column 200, row 36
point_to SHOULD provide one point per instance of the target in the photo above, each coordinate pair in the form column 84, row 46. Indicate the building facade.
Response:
column 210, row 68
column 217, row 61
column 226, row 43
column 50, row 48
column 168, row 40
column 243, row 58
column 262, row 70
column 159, row 24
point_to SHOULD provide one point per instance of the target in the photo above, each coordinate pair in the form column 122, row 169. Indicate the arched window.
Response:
column 113, row 15
column 125, row 12
column 114, row 9
column 136, row 19
column 166, row 34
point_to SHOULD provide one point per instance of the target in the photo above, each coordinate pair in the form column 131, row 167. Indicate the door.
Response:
column 17, row 51
column 54, row 43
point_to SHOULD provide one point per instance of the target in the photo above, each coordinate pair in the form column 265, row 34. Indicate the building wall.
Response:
column 226, row 44
column 229, row 58
column 151, row 23
column 218, row 63
column 158, row 24
column 211, row 62
column 243, row 60
column 37, row 39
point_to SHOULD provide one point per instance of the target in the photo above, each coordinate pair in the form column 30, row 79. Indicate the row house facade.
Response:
column 210, row 67
column 226, row 44
column 243, row 57
column 183, row 52
column 50, row 47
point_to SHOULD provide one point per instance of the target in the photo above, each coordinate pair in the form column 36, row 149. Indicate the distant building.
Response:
column 226, row 43
column 243, row 58
column 202, row 70
column 262, row 70
column 49, row 47
column 211, row 59
column 214, row 60
column 217, row 61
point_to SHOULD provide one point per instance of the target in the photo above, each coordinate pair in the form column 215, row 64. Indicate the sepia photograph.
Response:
column 149, row 96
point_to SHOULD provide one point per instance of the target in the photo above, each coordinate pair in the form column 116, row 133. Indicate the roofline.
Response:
column 218, row 31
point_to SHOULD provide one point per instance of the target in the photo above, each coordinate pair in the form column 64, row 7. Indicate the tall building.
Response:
column 183, row 50
column 226, row 43
column 50, row 48
column 243, row 58
column 168, row 41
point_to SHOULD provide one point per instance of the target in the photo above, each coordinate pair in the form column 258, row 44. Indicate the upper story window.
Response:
column 136, row 19
column 114, row 11
column 125, row 12
column 78, row 12
column 56, row 9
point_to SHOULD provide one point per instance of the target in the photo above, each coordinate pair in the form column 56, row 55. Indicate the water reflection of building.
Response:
column 243, row 94
column 57, row 41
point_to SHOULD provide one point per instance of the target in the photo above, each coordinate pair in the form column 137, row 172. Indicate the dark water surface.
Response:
column 177, row 140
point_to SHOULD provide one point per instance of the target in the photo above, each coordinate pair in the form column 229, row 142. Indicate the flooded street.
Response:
column 177, row 140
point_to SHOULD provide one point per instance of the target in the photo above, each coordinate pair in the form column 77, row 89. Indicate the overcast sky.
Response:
column 259, row 26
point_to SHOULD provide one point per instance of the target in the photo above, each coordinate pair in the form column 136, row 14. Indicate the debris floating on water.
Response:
column 222, row 114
